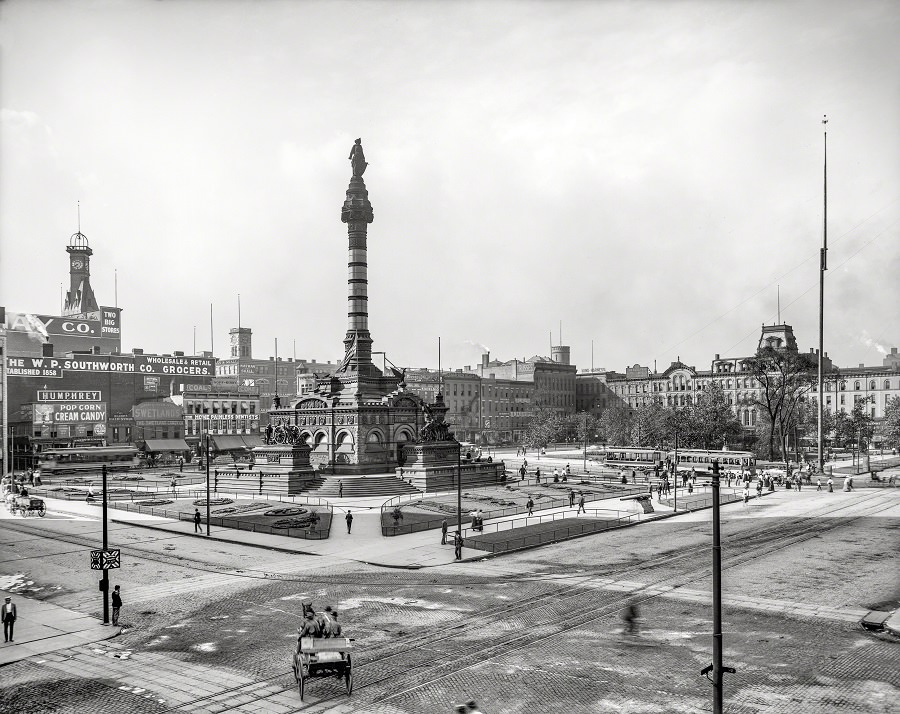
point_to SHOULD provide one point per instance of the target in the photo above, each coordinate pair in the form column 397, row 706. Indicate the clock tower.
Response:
column 80, row 298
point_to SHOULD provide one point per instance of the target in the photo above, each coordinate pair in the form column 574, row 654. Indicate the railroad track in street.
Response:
column 555, row 607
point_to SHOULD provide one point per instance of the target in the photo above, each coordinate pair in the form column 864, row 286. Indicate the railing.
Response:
column 237, row 523
column 694, row 502
column 400, row 528
column 557, row 534
column 77, row 495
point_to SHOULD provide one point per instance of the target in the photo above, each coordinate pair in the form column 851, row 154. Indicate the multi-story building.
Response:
column 462, row 396
column 270, row 376
column 593, row 394
column 230, row 417
column 680, row 384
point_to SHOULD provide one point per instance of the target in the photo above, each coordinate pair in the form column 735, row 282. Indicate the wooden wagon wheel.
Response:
column 348, row 675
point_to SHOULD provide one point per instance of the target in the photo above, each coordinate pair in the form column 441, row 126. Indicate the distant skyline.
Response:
column 647, row 173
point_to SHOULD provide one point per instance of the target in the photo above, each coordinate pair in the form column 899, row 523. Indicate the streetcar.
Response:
column 631, row 457
column 701, row 460
column 89, row 458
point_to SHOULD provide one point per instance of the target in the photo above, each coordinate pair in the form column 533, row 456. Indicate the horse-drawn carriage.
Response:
column 26, row 505
column 326, row 656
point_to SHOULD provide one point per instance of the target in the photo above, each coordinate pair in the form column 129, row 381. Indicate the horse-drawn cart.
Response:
column 28, row 505
column 323, row 657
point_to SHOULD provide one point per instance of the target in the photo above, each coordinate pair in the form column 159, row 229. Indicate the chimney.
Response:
column 179, row 353
column 861, row 365
column 137, row 351
column 717, row 355
column 95, row 350
column 47, row 349
column 485, row 358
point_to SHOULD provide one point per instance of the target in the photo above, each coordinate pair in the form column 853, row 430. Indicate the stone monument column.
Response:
column 357, row 214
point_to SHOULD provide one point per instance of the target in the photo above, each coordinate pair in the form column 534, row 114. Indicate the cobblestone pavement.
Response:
column 538, row 630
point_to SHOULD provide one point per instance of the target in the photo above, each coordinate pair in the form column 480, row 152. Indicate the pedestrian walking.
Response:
column 568, row 470
column 522, row 472
column 197, row 528
column 174, row 484
column 529, row 505
column 633, row 476
column 571, row 498
column 180, row 464
column 818, row 484
column 830, row 485
column 116, row 605
column 746, row 493
column 340, row 489
column 9, row 619
column 525, row 463
column 581, row 508
column 457, row 545
column 349, row 519
column 690, row 485
column 444, row 532
column 537, row 475
column 799, row 479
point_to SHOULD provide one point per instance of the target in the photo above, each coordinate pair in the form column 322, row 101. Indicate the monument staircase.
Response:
column 361, row 486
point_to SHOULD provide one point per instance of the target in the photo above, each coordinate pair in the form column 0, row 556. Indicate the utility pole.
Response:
column 716, row 667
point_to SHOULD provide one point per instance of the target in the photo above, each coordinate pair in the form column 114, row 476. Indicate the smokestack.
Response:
column 485, row 359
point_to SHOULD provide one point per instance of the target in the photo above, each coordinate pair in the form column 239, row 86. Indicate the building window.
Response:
column 887, row 384
column 856, row 386
column 872, row 385
column 843, row 386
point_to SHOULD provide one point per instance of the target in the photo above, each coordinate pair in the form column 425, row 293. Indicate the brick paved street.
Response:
column 539, row 626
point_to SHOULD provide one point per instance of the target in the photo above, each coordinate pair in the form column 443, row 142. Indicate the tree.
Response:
column 649, row 425
column 615, row 426
column 785, row 377
column 712, row 418
column 889, row 428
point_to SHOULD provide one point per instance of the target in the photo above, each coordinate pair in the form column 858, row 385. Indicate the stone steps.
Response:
column 361, row 486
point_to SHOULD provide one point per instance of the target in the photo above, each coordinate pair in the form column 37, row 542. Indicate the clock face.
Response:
column 77, row 264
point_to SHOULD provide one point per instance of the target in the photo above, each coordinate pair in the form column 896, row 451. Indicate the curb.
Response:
column 276, row 548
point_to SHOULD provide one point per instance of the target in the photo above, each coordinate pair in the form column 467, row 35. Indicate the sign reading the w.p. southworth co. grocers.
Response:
column 120, row 364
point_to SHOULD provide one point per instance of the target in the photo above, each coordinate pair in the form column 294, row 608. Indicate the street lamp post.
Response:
column 104, row 582
column 584, row 426
column 459, row 489
column 207, row 481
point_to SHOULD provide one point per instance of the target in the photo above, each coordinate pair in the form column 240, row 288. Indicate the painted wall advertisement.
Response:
column 118, row 364
column 70, row 413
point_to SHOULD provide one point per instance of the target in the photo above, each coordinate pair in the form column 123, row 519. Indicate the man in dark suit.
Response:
column 8, row 613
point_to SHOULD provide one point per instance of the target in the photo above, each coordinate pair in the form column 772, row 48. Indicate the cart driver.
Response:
column 310, row 627
column 334, row 627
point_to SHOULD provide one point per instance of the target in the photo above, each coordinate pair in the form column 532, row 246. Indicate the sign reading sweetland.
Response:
column 137, row 364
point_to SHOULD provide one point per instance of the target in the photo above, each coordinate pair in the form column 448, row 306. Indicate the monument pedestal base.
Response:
column 432, row 466
column 277, row 468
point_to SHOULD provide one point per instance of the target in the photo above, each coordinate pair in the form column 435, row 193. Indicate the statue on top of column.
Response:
column 358, row 159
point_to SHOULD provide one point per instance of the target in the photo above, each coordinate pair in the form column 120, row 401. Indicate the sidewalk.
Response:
column 42, row 628
column 411, row 551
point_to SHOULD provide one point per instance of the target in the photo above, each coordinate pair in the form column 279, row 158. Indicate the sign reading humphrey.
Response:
column 137, row 364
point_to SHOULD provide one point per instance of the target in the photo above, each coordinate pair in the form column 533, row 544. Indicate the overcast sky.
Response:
column 647, row 173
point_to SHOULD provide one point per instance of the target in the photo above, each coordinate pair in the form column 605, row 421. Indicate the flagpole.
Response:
column 823, row 266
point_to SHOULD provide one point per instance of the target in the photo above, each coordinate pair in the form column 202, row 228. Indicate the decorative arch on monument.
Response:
column 407, row 402
column 306, row 436
column 320, row 442
column 375, row 441
column 343, row 442
column 311, row 403
column 404, row 434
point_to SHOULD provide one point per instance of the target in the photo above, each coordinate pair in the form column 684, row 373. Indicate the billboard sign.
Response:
column 59, row 395
column 69, row 413
column 46, row 325
column 137, row 364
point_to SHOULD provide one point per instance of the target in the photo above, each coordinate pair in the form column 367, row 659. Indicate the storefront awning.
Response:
column 251, row 440
column 166, row 445
column 229, row 442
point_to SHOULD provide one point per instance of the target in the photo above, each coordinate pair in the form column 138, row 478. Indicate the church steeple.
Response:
column 80, row 298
